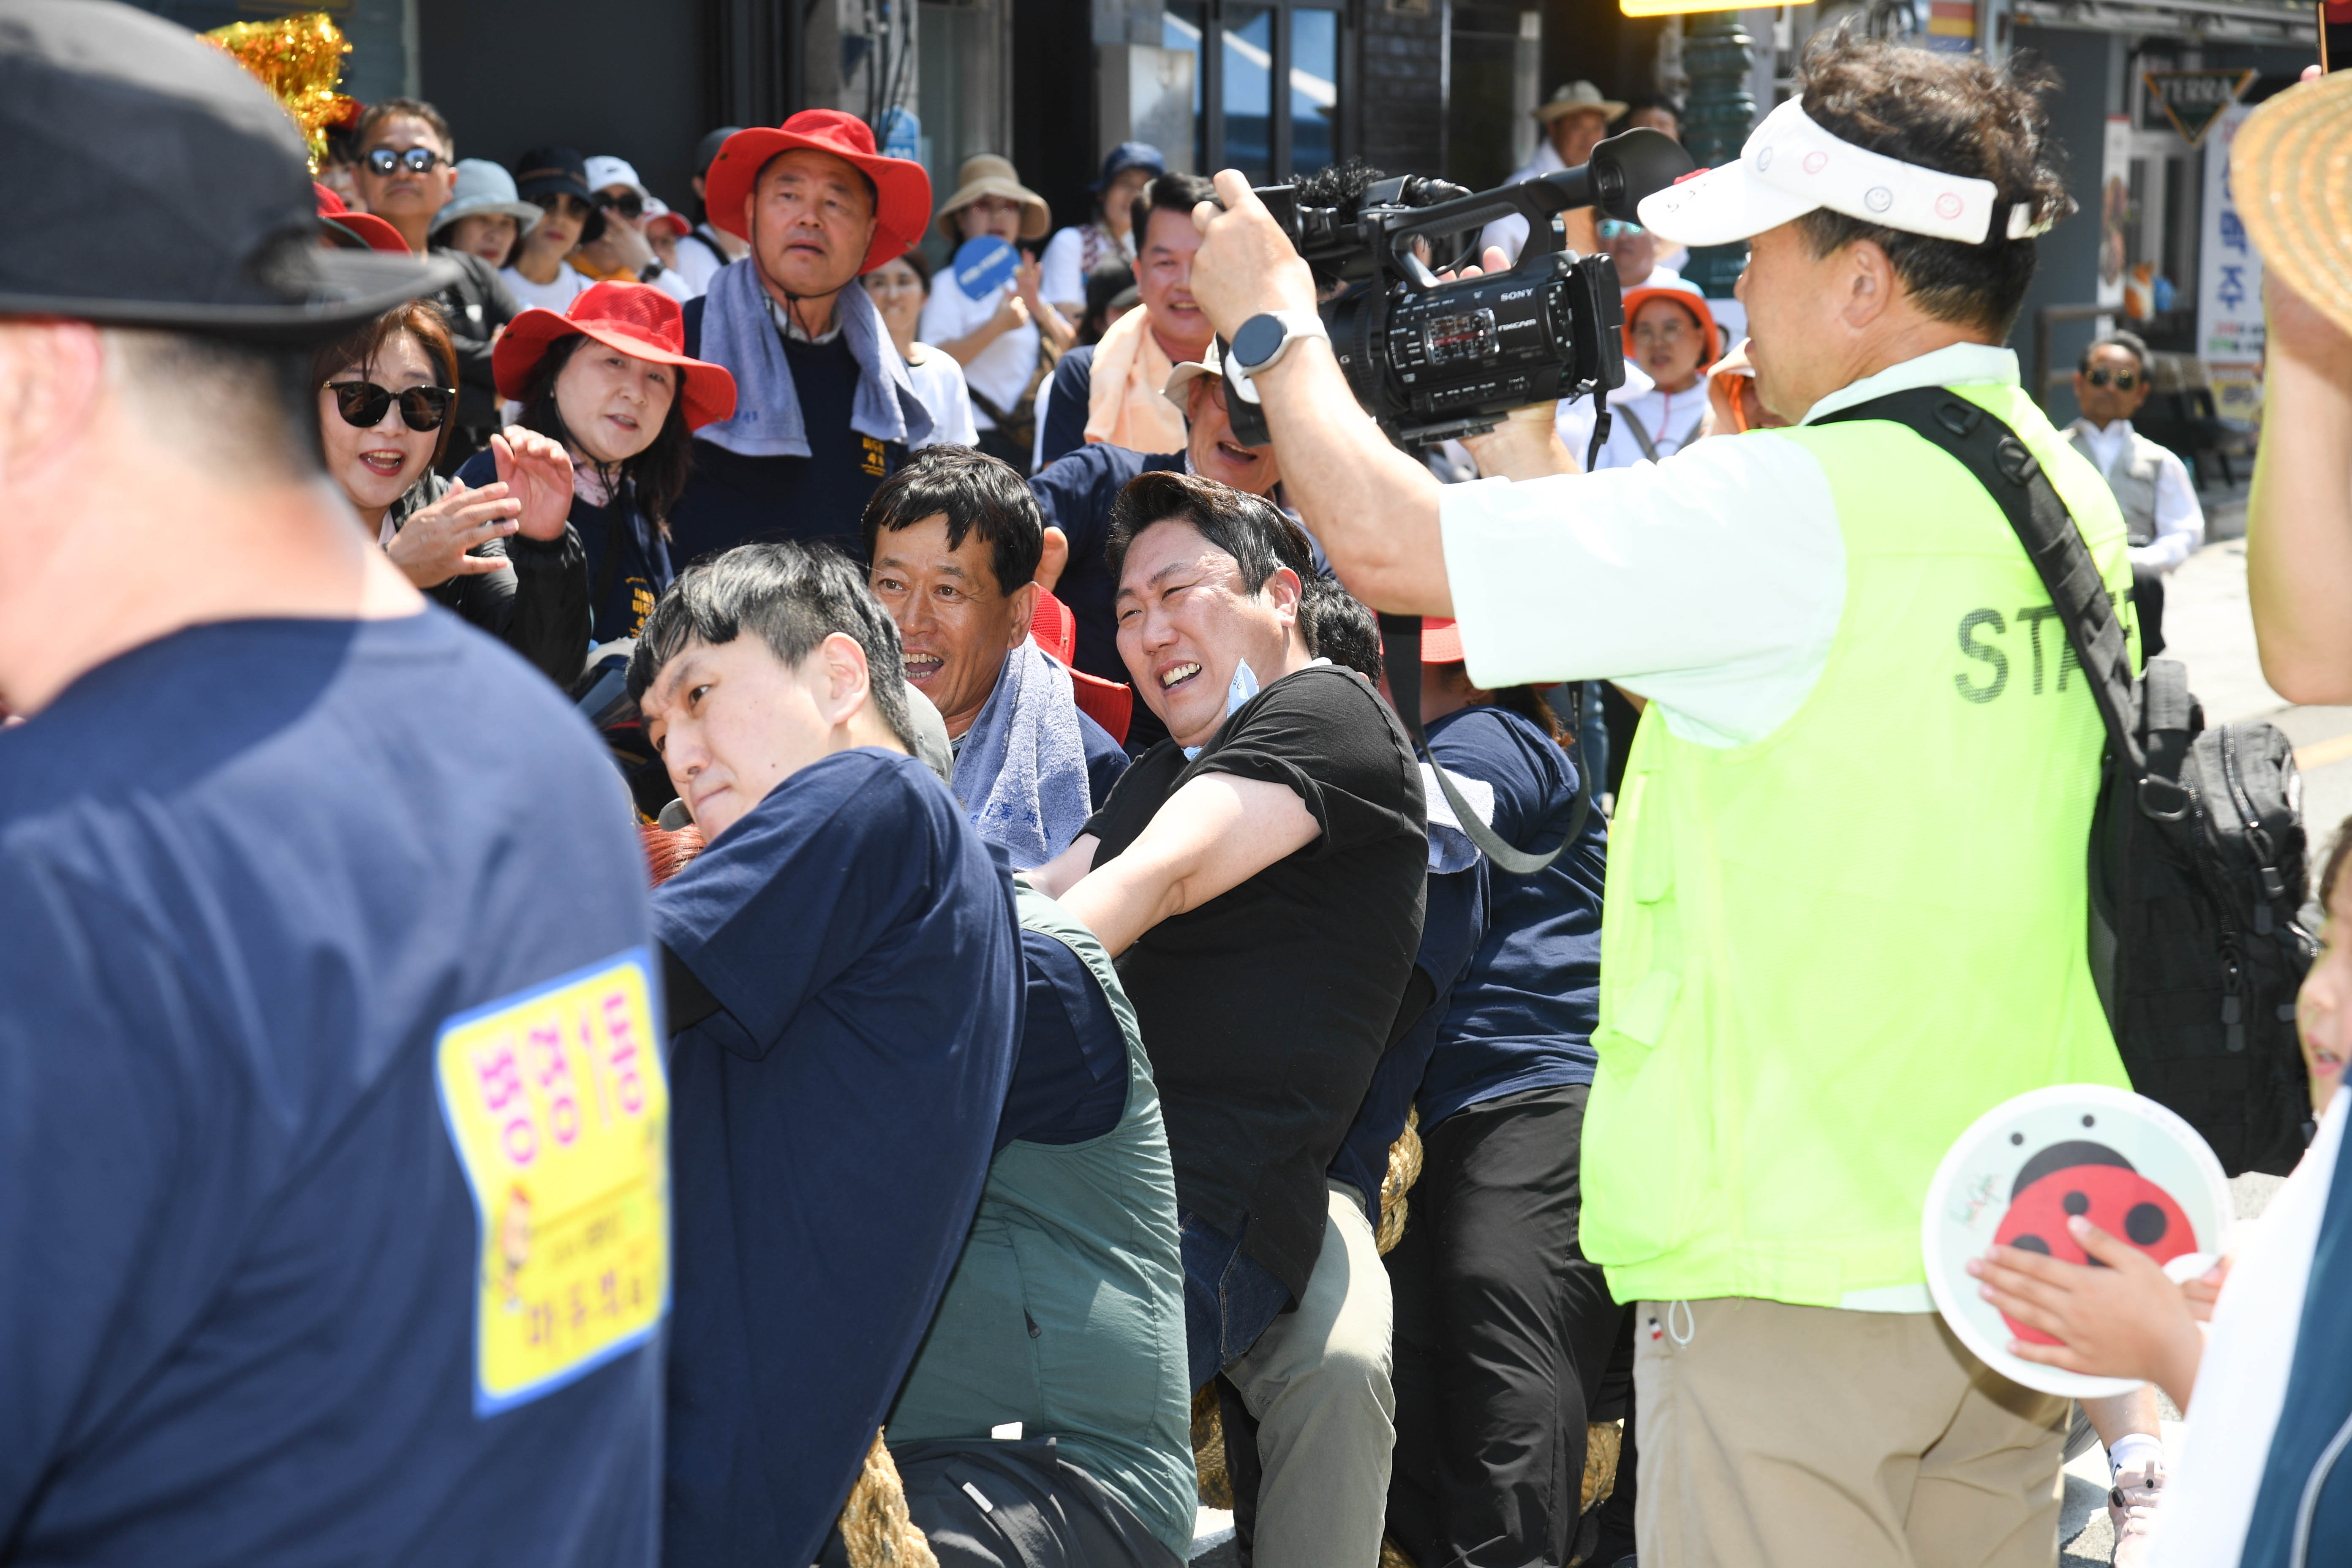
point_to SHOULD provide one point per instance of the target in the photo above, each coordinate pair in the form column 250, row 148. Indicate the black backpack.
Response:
column 2198, row 875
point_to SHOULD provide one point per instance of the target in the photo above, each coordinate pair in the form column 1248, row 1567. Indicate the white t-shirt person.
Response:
column 999, row 373
column 939, row 382
column 569, row 283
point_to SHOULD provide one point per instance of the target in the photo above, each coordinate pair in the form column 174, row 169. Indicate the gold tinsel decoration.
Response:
column 300, row 61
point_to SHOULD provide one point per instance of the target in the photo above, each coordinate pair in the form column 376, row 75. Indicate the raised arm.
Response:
column 1214, row 833
column 2299, row 522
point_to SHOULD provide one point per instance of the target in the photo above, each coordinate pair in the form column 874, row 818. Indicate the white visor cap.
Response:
column 1790, row 166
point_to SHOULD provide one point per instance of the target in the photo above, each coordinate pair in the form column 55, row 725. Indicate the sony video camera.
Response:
column 1432, row 360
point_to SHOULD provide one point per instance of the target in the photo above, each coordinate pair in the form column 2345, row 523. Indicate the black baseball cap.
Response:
column 559, row 170
column 157, row 183
column 707, row 148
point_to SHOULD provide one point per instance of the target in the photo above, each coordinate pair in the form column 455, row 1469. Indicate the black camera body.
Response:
column 1431, row 359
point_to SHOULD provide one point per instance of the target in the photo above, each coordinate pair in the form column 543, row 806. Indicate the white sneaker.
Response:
column 2132, row 1503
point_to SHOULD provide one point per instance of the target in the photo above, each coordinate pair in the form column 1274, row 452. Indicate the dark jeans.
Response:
column 1229, row 1297
column 989, row 1504
column 1503, row 1333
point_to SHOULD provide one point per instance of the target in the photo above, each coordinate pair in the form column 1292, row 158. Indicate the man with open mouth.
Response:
column 953, row 542
column 1258, row 877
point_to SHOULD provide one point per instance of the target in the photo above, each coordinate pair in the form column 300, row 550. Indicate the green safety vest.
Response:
column 1825, row 954
column 1066, row 1312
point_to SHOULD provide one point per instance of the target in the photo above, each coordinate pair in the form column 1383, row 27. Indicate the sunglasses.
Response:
column 628, row 204
column 1617, row 228
column 363, row 404
column 417, row 160
column 562, row 203
column 2124, row 379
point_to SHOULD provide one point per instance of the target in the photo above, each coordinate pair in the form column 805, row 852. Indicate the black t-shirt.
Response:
column 731, row 499
column 285, row 907
column 1267, row 1009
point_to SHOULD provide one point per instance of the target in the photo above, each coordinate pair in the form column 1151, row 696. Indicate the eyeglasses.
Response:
column 628, row 204
column 2124, row 379
column 1660, row 332
column 1617, row 228
column 363, row 404
column 417, row 160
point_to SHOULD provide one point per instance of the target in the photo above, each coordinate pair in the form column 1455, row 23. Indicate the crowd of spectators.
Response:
column 1059, row 942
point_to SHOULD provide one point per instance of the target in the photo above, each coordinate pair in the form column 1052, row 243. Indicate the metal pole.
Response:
column 1718, row 53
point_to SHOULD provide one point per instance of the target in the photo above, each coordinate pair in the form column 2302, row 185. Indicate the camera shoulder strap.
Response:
column 2009, row 474
column 1400, row 652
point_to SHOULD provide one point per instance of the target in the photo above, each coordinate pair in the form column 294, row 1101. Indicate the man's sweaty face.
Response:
column 956, row 623
column 731, row 721
column 810, row 218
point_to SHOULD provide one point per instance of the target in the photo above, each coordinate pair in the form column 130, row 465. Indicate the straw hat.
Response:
column 2291, row 165
column 986, row 175
column 1575, row 99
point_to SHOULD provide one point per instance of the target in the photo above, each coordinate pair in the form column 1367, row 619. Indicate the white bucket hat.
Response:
column 486, row 187
column 1791, row 166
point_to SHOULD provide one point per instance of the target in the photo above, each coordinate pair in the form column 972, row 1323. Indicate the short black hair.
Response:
column 975, row 493
column 1167, row 193
column 1637, row 101
column 2131, row 343
column 792, row 597
column 1962, row 115
column 1253, row 531
column 1340, row 627
column 384, row 109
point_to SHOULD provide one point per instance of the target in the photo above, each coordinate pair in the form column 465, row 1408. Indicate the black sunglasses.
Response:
column 560, row 202
column 628, row 204
column 363, row 404
column 417, row 160
column 2124, row 379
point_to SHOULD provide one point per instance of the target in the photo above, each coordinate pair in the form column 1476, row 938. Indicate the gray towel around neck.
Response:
column 739, row 334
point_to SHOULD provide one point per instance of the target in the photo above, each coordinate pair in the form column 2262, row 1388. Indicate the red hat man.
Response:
column 899, row 192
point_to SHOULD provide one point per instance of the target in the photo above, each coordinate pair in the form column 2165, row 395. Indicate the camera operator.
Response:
column 1812, row 982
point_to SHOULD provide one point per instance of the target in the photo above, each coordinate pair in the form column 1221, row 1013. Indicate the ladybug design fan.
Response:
column 2126, row 1164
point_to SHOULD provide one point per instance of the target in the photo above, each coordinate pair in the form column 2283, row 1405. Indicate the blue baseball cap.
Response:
column 1129, row 155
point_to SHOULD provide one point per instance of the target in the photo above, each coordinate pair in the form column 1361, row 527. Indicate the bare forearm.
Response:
column 1374, row 509
column 970, row 347
column 2299, row 522
column 1127, row 898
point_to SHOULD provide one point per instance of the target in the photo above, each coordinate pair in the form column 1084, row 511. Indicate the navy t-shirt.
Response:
column 835, row 1122
column 731, row 499
column 1070, row 1083
column 248, row 874
column 1522, row 1014
column 1066, row 409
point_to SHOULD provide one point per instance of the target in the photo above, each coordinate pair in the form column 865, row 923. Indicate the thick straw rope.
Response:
column 875, row 1525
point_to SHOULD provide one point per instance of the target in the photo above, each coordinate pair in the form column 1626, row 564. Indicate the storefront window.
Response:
column 1268, row 135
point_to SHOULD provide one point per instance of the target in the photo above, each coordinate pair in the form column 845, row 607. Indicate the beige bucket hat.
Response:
column 2290, row 166
column 986, row 175
column 1575, row 99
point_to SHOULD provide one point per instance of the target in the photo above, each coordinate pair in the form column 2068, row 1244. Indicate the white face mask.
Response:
column 1243, row 688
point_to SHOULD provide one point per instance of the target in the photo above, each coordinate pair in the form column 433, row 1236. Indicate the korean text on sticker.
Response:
column 557, row 1103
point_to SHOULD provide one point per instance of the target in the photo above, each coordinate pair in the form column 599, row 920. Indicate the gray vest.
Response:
column 1066, row 1312
column 2134, row 482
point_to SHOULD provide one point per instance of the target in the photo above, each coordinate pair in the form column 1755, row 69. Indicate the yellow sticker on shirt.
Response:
column 556, row 1100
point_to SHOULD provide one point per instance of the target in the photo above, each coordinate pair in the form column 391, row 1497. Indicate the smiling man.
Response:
column 827, row 409
column 944, row 537
column 1258, row 875
column 1077, row 495
column 845, row 985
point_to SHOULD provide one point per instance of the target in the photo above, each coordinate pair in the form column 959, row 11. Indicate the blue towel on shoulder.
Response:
column 1021, row 770
column 739, row 334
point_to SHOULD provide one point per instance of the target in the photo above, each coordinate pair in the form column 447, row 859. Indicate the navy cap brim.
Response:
column 343, row 288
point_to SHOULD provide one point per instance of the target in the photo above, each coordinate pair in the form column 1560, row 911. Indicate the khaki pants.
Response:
column 1784, row 1435
column 1318, row 1383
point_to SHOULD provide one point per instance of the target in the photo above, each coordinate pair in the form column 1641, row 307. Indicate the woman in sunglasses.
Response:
column 385, row 395
column 609, row 380
column 555, row 181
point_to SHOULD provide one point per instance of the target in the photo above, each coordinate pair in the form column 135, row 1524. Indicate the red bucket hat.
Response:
column 902, row 191
column 347, row 230
column 636, row 319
